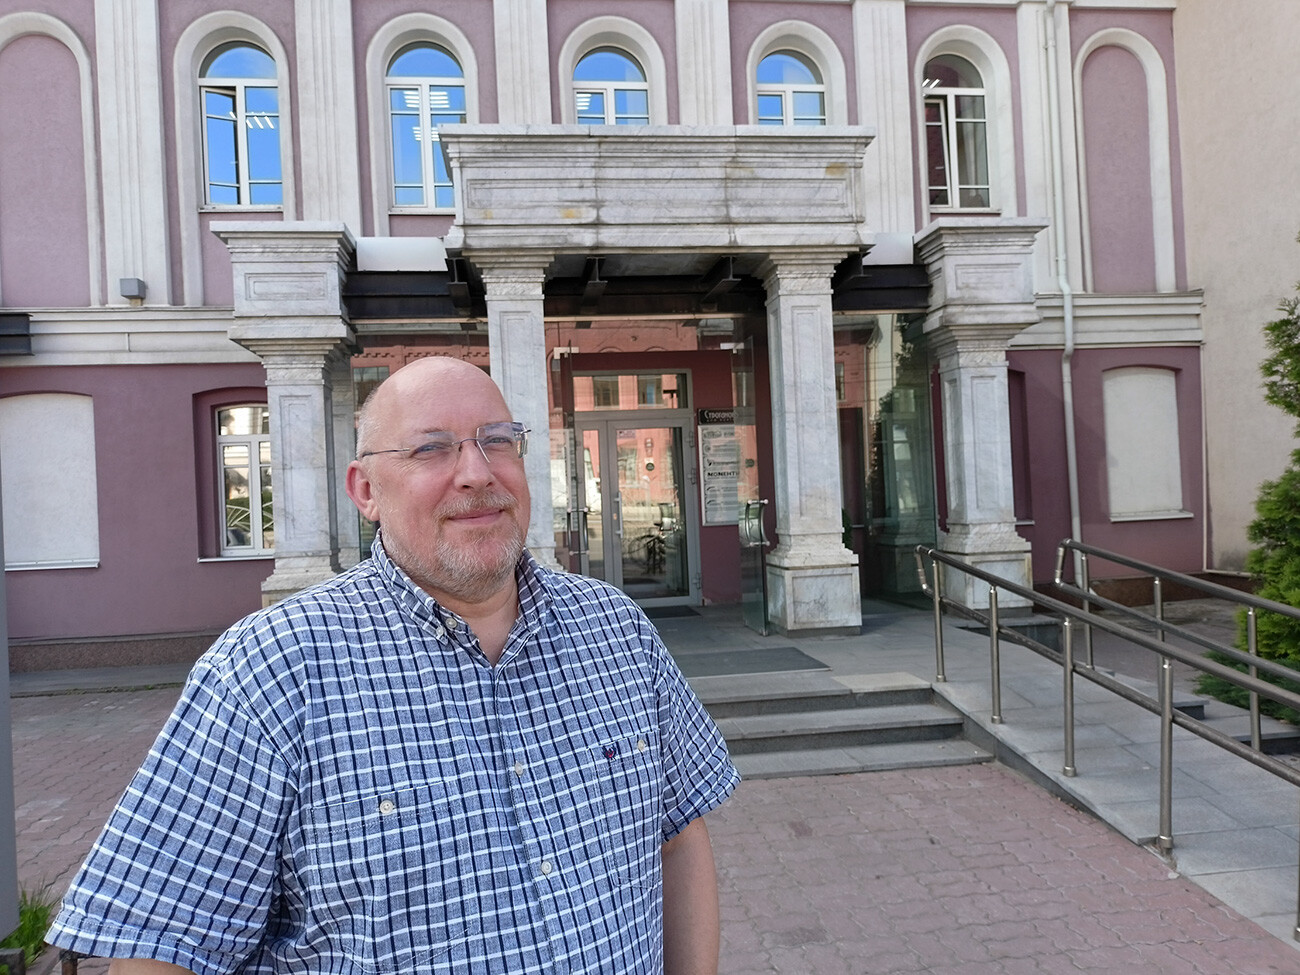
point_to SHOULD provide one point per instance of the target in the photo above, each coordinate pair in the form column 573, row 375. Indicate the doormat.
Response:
column 668, row 612
column 762, row 660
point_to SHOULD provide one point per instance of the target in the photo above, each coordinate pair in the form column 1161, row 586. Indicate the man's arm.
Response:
column 691, row 925
column 144, row 966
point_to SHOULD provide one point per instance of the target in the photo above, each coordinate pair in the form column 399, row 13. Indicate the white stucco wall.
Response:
column 1239, row 116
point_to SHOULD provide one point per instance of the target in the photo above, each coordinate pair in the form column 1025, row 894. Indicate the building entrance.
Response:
column 639, row 510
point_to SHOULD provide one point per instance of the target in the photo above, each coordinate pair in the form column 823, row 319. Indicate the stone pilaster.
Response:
column 289, row 312
column 981, row 295
column 812, row 578
column 517, row 349
column 343, row 425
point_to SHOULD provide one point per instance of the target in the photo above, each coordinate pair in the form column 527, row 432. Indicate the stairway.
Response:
column 810, row 723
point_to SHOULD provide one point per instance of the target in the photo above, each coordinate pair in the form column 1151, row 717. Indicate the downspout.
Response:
column 1063, row 279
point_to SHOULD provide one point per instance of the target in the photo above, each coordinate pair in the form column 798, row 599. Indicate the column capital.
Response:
column 803, row 270
column 981, row 279
column 512, row 276
column 290, row 272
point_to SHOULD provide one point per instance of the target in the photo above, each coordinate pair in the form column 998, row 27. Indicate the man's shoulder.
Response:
column 318, row 614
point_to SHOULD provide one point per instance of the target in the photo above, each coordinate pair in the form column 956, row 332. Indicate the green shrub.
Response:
column 35, row 911
column 1274, row 563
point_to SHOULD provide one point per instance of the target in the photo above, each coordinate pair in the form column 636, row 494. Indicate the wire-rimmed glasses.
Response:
column 494, row 441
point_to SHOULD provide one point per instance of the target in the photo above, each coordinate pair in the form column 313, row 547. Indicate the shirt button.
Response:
column 387, row 806
column 546, row 868
column 519, row 768
column 641, row 745
column 453, row 624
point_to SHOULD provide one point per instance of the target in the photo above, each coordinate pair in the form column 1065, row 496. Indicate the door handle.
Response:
column 619, row 501
column 755, row 531
column 576, row 526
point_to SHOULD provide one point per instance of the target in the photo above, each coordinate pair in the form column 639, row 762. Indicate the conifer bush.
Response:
column 1274, row 563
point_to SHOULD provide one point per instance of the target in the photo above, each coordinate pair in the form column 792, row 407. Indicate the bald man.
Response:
column 446, row 759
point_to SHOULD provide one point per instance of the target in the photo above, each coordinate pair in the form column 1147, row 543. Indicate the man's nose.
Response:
column 472, row 461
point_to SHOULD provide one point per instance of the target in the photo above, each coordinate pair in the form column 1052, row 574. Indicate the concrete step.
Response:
column 758, row 694
column 860, row 758
column 872, row 725
column 812, row 723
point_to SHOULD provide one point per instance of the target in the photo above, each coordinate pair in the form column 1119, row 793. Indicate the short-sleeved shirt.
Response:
column 348, row 786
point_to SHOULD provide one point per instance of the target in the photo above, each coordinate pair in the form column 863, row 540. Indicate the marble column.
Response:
column 517, row 352
column 812, row 578
column 289, row 312
column 981, row 295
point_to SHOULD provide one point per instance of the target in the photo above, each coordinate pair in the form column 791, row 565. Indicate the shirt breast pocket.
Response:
column 392, row 871
column 632, row 786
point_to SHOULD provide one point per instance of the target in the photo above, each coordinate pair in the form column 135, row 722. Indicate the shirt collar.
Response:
column 534, row 595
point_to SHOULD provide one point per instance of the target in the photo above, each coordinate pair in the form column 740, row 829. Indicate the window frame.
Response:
column 237, row 88
column 948, row 98
column 428, row 131
column 388, row 41
column 254, row 442
column 818, row 49
column 609, row 90
column 786, row 92
column 625, row 36
column 984, row 53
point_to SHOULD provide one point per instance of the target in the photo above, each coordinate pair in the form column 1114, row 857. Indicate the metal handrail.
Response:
column 1159, row 575
column 1072, row 617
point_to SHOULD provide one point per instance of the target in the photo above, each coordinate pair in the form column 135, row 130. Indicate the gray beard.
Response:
column 470, row 573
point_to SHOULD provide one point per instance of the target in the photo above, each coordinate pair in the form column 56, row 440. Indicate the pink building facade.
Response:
column 864, row 273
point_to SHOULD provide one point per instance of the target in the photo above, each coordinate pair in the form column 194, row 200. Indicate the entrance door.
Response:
column 641, row 514
column 750, row 503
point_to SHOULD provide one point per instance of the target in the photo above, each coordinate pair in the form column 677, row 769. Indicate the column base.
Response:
column 994, row 550
column 808, row 597
column 284, row 581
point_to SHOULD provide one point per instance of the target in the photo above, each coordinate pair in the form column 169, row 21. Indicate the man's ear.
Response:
column 362, row 491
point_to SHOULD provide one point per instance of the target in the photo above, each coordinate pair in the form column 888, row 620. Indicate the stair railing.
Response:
column 1073, row 618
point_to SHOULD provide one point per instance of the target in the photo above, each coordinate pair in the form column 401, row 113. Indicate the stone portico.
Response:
column 788, row 201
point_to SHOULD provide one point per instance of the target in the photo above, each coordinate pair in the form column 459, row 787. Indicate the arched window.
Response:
column 240, row 102
column 790, row 91
column 244, row 470
column 610, row 88
column 426, row 89
column 956, row 134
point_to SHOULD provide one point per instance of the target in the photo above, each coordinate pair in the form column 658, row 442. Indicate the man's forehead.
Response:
column 446, row 404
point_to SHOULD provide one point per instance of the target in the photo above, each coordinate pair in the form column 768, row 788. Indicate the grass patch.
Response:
column 35, row 911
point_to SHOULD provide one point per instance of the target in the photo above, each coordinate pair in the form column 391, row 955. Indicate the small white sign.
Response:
column 719, row 473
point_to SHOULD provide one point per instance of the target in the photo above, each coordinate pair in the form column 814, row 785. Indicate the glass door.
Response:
column 639, row 511
column 751, row 505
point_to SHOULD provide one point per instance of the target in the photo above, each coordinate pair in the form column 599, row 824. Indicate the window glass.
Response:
column 636, row 391
column 238, row 60
column 787, row 68
column 241, row 127
column 426, row 90
column 789, row 91
column 606, row 64
column 244, row 471
column 609, row 88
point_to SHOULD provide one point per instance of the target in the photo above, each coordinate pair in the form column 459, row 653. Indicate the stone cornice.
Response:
column 646, row 188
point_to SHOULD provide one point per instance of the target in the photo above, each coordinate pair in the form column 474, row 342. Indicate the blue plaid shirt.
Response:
column 347, row 786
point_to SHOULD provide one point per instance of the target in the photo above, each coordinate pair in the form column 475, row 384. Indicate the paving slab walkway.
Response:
column 972, row 869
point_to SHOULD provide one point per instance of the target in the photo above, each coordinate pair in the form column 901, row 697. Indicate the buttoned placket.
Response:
column 541, row 861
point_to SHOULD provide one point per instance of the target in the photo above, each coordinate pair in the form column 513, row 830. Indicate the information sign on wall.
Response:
column 719, row 467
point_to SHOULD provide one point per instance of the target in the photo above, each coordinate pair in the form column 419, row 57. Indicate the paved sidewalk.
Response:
column 957, row 871
column 970, row 870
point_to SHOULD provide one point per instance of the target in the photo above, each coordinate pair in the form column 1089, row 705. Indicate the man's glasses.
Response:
column 494, row 441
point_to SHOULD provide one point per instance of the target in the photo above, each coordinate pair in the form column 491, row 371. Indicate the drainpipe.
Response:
column 1063, row 280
